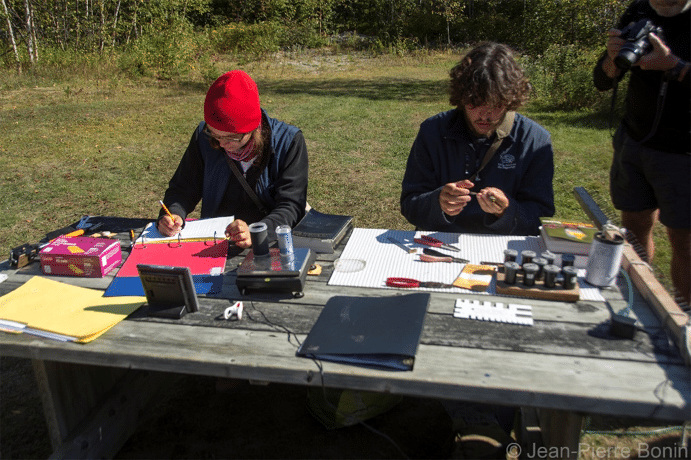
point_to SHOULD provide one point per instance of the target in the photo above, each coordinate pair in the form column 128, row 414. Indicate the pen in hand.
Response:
column 166, row 210
column 172, row 227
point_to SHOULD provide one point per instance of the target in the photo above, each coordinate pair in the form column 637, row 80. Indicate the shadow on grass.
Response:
column 597, row 120
column 398, row 89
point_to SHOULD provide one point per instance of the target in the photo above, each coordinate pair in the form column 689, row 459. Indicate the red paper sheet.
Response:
column 202, row 257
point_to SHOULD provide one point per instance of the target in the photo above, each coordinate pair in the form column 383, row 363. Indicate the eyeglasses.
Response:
column 232, row 138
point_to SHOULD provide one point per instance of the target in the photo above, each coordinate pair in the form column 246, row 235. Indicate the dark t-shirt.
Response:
column 673, row 130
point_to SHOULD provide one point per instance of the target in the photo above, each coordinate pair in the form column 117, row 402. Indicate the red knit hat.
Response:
column 232, row 103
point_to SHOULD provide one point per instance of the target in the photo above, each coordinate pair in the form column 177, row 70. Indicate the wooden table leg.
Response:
column 561, row 432
column 91, row 410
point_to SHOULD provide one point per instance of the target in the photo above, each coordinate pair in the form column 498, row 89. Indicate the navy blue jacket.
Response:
column 280, row 181
column 444, row 152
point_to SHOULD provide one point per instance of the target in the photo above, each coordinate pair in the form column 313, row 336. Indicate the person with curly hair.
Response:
column 481, row 167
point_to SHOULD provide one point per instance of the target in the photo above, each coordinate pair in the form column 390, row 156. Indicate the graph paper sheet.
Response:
column 384, row 259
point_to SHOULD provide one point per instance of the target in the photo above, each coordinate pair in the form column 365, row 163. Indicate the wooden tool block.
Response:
column 538, row 291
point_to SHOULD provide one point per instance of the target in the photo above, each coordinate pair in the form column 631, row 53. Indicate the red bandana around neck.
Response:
column 244, row 154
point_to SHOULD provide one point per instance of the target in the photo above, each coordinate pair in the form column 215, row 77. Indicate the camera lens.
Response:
column 626, row 58
column 637, row 43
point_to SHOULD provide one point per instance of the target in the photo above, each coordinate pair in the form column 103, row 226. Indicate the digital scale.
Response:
column 273, row 272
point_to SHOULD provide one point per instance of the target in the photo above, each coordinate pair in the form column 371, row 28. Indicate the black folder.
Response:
column 379, row 332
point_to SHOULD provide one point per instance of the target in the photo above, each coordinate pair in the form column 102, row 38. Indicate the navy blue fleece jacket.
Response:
column 444, row 151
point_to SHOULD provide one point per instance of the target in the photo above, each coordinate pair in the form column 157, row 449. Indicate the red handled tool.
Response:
column 412, row 283
column 430, row 255
column 429, row 241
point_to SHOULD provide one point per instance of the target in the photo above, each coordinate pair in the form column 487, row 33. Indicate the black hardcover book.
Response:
column 320, row 232
column 379, row 332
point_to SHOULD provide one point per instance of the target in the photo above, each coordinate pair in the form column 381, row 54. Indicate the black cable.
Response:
column 320, row 366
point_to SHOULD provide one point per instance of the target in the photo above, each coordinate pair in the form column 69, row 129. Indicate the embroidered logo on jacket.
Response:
column 507, row 161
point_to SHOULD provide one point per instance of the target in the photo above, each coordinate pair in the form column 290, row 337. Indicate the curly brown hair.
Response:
column 490, row 75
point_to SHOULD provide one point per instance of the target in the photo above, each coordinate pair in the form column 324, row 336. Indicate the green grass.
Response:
column 107, row 145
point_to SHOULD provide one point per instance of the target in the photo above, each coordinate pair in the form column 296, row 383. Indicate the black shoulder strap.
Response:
column 241, row 178
column 503, row 130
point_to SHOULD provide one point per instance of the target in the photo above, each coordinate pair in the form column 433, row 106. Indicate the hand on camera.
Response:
column 660, row 58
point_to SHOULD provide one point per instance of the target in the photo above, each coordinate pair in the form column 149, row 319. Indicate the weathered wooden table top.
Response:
column 568, row 360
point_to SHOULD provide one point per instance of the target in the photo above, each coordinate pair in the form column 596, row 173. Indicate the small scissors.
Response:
column 429, row 241
column 412, row 283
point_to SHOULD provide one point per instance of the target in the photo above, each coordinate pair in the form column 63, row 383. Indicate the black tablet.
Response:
column 169, row 290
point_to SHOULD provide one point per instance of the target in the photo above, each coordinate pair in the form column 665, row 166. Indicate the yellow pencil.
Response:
column 166, row 210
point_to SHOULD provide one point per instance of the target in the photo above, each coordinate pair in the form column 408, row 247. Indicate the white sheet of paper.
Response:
column 384, row 259
column 202, row 229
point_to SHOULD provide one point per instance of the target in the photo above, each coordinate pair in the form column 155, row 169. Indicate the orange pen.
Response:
column 166, row 210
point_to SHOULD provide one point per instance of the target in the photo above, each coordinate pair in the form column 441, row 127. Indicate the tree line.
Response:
column 95, row 25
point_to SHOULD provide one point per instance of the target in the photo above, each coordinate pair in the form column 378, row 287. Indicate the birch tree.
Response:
column 31, row 45
column 10, row 32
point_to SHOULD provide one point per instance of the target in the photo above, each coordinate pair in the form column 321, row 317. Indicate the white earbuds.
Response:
column 234, row 313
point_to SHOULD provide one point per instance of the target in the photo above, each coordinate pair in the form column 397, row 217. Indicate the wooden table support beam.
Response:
column 94, row 423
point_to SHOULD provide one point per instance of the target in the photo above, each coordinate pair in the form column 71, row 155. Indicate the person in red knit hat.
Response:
column 239, row 162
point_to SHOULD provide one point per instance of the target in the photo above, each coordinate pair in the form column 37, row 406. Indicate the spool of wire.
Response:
column 550, row 274
column 529, row 274
column 604, row 259
column 510, row 272
column 527, row 257
column 570, row 276
column 510, row 255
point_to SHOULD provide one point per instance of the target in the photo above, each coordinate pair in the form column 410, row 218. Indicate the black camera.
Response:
column 637, row 43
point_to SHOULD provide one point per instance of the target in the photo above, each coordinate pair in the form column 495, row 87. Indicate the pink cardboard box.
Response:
column 80, row 256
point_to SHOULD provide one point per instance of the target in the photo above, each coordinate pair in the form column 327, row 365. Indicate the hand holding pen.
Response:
column 169, row 224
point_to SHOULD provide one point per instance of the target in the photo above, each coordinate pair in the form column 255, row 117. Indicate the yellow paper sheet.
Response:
column 73, row 311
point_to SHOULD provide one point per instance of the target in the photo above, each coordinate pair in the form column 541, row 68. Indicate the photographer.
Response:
column 650, row 173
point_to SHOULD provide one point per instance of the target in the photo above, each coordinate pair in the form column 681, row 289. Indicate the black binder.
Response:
column 321, row 232
column 379, row 332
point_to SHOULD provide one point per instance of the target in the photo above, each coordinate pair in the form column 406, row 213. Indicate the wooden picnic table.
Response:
column 566, row 365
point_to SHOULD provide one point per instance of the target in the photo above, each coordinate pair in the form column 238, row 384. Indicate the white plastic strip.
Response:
column 497, row 312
